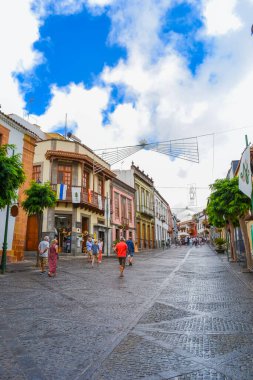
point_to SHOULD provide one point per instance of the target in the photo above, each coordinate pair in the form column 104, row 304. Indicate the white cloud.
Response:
column 169, row 102
column 18, row 31
column 67, row 7
column 221, row 16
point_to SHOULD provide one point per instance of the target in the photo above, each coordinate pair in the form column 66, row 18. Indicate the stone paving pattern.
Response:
column 179, row 314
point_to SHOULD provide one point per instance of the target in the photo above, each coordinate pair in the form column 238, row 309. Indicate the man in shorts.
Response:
column 89, row 249
column 43, row 253
column 130, row 247
column 121, row 251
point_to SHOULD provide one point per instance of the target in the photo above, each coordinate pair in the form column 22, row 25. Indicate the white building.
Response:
column 161, row 219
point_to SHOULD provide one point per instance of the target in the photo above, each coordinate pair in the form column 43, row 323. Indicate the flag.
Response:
column 89, row 195
column 245, row 181
column 76, row 194
column 61, row 191
column 100, row 205
column 107, row 208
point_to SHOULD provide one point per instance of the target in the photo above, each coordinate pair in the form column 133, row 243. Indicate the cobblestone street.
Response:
column 181, row 314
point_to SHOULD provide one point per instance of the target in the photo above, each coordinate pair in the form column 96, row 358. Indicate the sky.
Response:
column 128, row 70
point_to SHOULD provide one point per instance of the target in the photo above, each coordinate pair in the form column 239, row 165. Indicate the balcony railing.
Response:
column 89, row 198
column 145, row 210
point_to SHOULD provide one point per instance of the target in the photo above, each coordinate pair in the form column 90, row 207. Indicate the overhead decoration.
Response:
column 185, row 149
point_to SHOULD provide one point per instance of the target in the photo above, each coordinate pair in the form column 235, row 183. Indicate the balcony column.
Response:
column 50, row 223
column 74, row 249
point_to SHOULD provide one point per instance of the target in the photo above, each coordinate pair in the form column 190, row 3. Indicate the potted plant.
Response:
column 220, row 245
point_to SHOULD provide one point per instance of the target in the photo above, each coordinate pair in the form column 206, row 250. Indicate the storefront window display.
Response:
column 63, row 226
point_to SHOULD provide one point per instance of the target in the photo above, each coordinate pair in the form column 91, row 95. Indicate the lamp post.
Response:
column 5, row 244
column 4, row 253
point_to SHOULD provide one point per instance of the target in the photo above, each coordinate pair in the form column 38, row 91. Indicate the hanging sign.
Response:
column 76, row 194
column 245, row 181
column 14, row 211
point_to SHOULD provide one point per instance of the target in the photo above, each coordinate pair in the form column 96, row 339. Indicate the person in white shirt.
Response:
column 43, row 253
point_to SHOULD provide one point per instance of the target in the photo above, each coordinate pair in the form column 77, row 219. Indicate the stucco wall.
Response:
column 16, row 138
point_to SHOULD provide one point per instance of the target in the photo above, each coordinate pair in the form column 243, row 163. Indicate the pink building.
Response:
column 123, row 212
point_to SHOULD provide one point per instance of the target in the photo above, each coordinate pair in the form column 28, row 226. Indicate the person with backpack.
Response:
column 130, row 249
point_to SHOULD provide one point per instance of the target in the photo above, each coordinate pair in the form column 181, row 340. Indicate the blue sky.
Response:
column 77, row 47
column 125, row 70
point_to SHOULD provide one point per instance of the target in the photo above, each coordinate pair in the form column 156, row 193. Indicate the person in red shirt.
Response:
column 121, row 250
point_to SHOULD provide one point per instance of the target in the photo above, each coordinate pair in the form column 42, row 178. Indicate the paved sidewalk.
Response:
column 177, row 314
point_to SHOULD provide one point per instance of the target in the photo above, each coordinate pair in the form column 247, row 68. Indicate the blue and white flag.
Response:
column 61, row 192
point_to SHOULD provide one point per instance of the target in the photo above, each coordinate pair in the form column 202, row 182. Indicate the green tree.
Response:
column 228, row 205
column 12, row 176
column 39, row 197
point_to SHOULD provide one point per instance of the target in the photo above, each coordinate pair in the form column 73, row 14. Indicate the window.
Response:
column 116, row 205
column 138, row 198
column 123, row 207
column 130, row 211
column 36, row 176
column 86, row 180
column 100, row 186
column 143, row 203
column 64, row 174
column 1, row 139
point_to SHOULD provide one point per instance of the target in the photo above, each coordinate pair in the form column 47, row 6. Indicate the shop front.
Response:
column 63, row 231
column 103, row 233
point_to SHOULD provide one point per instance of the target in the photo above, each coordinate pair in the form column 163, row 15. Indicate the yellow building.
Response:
column 144, row 205
column 82, row 182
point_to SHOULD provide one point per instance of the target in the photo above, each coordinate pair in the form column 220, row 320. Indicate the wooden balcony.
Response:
column 88, row 199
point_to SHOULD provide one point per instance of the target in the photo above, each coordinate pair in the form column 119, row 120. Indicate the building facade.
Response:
column 161, row 220
column 122, row 210
column 81, row 181
column 144, row 205
column 24, row 136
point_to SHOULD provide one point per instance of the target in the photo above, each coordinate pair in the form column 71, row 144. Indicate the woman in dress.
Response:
column 100, row 254
column 52, row 258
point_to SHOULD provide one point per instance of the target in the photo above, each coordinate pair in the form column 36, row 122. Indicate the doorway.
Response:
column 85, row 232
column 63, row 226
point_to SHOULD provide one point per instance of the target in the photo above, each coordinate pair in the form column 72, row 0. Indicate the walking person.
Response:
column 89, row 249
column 95, row 251
column 121, row 251
column 100, row 253
column 130, row 248
column 52, row 258
column 43, row 253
